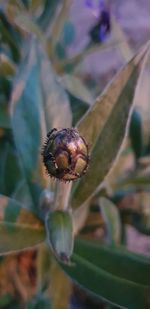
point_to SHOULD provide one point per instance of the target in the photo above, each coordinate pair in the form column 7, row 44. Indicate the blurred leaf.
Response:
column 19, row 228
column 36, row 114
column 4, row 115
column 104, row 127
column 139, row 181
column 6, row 300
column 119, row 35
column 60, row 51
column 79, row 218
column 75, row 60
column 5, row 88
column 112, row 220
column 68, row 34
column 7, row 67
column 142, row 98
column 60, row 234
column 62, row 284
column 136, row 219
column 24, row 22
column 10, row 172
column 10, row 36
column 26, row 105
column 76, row 87
column 113, row 275
column 49, row 12
column 22, row 195
column 3, row 156
column 56, row 102
column 59, row 23
column 135, row 134
column 37, row 302
column 78, row 108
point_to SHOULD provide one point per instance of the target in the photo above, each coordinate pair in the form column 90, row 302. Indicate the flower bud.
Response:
column 65, row 154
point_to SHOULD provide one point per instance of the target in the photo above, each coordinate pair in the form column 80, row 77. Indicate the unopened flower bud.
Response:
column 65, row 154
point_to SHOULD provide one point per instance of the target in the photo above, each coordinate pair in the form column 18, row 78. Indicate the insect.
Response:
column 65, row 154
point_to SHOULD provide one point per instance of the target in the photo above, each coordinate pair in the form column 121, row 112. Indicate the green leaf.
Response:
column 78, row 108
column 7, row 67
column 10, row 171
column 60, row 234
column 60, row 51
column 104, row 127
column 10, row 36
column 49, row 11
column 76, row 87
column 4, row 115
column 68, row 35
column 59, row 23
column 118, row 34
column 112, row 220
column 5, row 88
column 38, row 301
column 137, row 180
column 137, row 220
column 135, row 134
column 25, row 111
column 6, row 300
column 24, row 22
column 56, row 102
column 114, row 275
column 19, row 228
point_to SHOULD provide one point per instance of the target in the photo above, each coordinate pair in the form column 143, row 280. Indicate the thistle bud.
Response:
column 65, row 154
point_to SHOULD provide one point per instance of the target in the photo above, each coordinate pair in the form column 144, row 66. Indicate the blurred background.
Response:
column 87, row 42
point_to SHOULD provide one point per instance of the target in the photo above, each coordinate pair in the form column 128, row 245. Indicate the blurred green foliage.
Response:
column 37, row 94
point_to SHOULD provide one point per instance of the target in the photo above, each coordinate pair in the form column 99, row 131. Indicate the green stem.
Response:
column 62, row 195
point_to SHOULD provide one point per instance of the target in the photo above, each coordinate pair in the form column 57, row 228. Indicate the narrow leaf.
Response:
column 115, row 276
column 19, row 228
column 119, row 34
column 76, row 87
column 10, row 171
column 135, row 134
column 4, row 115
column 7, row 67
column 68, row 35
column 60, row 234
column 59, row 23
column 24, row 22
column 26, row 103
column 111, row 217
column 78, row 108
column 140, row 181
column 57, row 111
column 49, row 11
column 104, row 127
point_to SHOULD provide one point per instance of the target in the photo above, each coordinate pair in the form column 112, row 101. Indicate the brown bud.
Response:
column 65, row 154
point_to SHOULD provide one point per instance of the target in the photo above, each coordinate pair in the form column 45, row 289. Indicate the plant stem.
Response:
column 62, row 195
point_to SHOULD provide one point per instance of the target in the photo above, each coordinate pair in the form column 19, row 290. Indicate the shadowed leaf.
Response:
column 112, row 220
column 7, row 67
column 76, row 87
column 56, row 102
column 60, row 234
column 49, row 11
column 114, row 275
column 19, row 228
column 26, row 103
column 106, row 123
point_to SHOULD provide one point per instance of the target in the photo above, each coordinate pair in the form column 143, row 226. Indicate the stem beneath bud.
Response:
column 62, row 195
